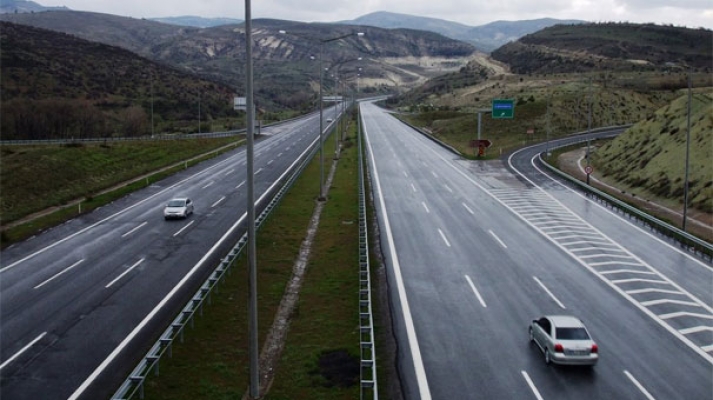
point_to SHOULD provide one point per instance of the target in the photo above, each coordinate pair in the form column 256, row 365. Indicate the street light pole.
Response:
column 252, row 279
column 321, row 125
column 321, row 105
column 688, row 151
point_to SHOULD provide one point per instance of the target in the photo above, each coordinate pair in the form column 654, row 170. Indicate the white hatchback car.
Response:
column 564, row 340
column 179, row 207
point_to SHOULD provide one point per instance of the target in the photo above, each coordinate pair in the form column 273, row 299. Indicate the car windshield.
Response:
column 176, row 203
column 572, row 334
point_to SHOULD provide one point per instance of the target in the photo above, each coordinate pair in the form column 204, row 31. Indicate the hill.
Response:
column 285, row 74
column 59, row 86
column 609, row 46
column 24, row 6
column 649, row 158
column 491, row 36
column 198, row 22
column 485, row 38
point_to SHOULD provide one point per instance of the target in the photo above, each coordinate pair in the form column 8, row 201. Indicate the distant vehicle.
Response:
column 179, row 207
column 329, row 120
column 564, row 340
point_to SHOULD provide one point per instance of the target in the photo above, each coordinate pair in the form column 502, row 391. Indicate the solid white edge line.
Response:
column 548, row 292
column 24, row 349
column 120, row 347
column 184, row 228
column 58, row 274
column 477, row 294
column 135, row 229
column 531, row 385
column 497, row 238
column 639, row 385
column 136, row 264
column 443, row 236
column 420, row 371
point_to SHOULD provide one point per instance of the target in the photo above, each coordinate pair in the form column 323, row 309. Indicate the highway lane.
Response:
column 72, row 295
column 468, row 271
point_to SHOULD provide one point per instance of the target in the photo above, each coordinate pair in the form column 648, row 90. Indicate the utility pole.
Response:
column 688, row 151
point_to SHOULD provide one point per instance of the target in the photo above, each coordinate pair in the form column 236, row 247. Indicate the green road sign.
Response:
column 503, row 108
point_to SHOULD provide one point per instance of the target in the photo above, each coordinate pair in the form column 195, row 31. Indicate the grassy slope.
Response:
column 33, row 178
column 649, row 159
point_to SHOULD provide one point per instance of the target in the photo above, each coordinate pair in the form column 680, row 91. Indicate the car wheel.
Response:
column 547, row 357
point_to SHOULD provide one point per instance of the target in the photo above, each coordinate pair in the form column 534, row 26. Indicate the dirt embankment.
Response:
column 698, row 222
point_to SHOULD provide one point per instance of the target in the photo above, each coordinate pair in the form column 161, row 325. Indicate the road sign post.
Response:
column 503, row 109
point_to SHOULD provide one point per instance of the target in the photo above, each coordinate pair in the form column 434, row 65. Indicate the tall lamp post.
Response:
column 321, row 105
column 254, row 390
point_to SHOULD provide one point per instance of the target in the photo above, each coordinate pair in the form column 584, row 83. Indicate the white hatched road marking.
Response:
column 613, row 264
column 512, row 199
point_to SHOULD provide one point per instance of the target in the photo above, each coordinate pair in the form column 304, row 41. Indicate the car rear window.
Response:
column 572, row 334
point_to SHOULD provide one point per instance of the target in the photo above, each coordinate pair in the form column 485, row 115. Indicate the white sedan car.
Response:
column 564, row 340
column 179, row 207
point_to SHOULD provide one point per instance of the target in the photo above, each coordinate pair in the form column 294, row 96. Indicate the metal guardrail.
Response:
column 150, row 362
column 688, row 241
column 368, row 382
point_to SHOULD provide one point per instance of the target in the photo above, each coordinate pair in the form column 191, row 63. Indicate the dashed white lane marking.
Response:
column 497, row 238
column 468, row 208
column 531, row 385
column 24, row 349
column 413, row 188
column 136, row 264
column 135, row 229
column 208, row 185
column 241, row 184
column 183, row 229
column 217, row 202
column 448, row 188
column 60, row 273
column 426, row 207
column 638, row 385
column 475, row 290
column 443, row 236
column 559, row 303
column 230, row 171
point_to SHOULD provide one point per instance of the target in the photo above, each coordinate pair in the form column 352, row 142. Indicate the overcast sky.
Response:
column 691, row 13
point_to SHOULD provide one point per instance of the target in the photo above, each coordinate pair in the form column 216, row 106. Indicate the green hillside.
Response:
column 649, row 158
column 609, row 46
column 55, row 85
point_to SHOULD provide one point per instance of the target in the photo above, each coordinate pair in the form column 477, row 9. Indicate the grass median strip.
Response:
column 320, row 359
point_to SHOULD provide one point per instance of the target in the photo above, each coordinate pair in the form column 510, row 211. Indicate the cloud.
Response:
column 693, row 13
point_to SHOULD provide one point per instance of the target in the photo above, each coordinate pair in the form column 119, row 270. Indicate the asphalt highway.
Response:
column 476, row 250
column 81, row 303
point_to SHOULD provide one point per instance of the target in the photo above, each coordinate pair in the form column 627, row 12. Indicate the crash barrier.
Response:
column 368, row 385
column 150, row 362
column 687, row 241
